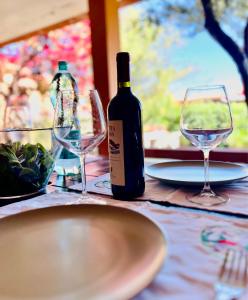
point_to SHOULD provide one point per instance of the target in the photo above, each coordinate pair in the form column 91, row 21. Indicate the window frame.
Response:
column 189, row 153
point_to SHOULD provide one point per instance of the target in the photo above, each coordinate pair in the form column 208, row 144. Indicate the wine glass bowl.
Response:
column 17, row 116
column 206, row 121
column 79, row 125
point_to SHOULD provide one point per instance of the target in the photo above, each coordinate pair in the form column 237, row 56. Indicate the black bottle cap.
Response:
column 122, row 59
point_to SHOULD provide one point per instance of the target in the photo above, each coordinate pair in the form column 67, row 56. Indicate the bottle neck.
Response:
column 124, row 86
column 123, row 76
column 62, row 71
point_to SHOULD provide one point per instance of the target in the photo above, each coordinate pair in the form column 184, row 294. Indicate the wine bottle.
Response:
column 126, row 153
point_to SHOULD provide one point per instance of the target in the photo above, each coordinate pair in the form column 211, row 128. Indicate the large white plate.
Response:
column 78, row 252
column 192, row 172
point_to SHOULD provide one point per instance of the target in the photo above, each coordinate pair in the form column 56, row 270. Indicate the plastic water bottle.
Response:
column 68, row 163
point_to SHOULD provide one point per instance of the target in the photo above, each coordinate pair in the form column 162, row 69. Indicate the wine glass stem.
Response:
column 83, row 175
column 206, row 187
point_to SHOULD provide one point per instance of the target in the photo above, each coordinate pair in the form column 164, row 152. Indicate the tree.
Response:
column 27, row 67
column 220, row 17
column 150, row 74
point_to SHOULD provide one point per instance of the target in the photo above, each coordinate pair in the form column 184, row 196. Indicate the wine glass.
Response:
column 79, row 125
column 17, row 116
column 206, row 121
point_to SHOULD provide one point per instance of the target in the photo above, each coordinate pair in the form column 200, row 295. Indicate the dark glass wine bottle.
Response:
column 126, row 153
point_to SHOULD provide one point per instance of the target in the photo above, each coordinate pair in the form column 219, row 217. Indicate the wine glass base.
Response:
column 208, row 199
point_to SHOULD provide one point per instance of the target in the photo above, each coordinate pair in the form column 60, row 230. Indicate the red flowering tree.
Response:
column 27, row 67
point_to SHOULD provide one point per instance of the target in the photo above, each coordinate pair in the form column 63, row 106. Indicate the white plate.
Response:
column 192, row 172
column 78, row 252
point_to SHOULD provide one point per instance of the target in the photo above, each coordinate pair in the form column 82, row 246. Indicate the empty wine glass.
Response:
column 17, row 116
column 84, row 117
column 206, row 121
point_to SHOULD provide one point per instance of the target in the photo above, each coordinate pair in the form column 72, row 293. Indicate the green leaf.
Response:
column 27, row 172
column 26, row 167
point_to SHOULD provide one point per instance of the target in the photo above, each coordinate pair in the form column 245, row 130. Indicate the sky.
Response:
column 210, row 64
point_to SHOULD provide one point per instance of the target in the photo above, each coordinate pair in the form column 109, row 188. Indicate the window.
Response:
column 165, row 61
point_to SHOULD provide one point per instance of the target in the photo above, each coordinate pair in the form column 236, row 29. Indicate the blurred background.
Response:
column 170, row 51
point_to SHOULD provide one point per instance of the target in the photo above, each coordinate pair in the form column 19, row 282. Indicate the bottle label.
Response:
column 116, row 153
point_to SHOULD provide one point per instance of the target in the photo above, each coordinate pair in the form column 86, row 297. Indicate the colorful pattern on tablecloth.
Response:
column 219, row 238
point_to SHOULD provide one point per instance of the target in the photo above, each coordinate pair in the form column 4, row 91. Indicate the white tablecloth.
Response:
column 196, row 243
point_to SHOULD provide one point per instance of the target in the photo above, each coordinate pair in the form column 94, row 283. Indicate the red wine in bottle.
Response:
column 126, row 153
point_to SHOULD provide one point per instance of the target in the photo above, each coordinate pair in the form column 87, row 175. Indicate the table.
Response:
column 194, row 259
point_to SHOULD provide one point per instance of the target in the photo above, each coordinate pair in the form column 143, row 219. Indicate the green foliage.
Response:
column 239, row 136
column 213, row 15
column 151, row 75
column 24, row 168
column 206, row 114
